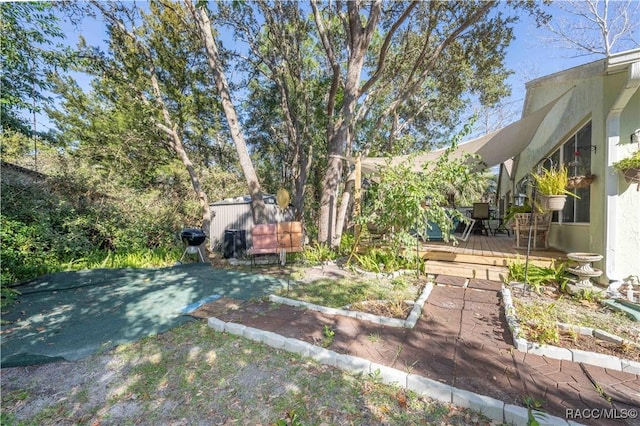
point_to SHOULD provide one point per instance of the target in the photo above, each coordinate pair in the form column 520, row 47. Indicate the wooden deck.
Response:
column 482, row 256
column 490, row 247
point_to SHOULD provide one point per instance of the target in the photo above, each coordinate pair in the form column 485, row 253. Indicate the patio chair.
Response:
column 432, row 231
column 539, row 230
column 480, row 214
column 501, row 225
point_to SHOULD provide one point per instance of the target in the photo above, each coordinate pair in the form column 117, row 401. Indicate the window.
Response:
column 575, row 154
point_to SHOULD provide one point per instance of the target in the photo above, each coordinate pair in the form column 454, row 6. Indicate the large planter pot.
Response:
column 552, row 202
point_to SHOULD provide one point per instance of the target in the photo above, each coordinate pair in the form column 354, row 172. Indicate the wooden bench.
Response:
column 276, row 238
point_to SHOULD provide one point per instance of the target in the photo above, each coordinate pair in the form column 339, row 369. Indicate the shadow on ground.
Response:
column 72, row 315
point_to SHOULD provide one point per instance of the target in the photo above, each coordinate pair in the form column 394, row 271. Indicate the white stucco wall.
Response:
column 582, row 104
column 593, row 89
column 627, row 250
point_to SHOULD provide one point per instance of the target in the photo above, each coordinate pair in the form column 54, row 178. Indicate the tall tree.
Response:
column 200, row 16
column 285, row 84
column 391, row 76
column 28, row 34
column 116, row 138
column 596, row 27
column 152, row 69
column 397, row 65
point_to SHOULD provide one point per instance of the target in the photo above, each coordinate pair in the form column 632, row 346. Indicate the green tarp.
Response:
column 72, row 315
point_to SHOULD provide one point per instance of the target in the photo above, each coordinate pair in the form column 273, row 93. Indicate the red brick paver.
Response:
column 461, row 339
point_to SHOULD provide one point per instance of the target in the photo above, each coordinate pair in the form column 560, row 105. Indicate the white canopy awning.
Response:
column 493, row 148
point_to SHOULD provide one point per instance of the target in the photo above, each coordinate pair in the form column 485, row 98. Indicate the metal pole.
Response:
column 526, row 264
column 533, row 197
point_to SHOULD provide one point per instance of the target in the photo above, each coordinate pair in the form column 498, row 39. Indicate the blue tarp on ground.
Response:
column 71, row 315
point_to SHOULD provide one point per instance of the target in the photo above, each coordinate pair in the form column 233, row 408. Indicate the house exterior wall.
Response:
column 593, row 93
column 582, row 103
column 628, row 210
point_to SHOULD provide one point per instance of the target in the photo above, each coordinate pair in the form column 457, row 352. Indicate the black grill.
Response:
column 193, row 236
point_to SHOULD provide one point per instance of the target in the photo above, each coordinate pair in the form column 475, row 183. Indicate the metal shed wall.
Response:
column 236, row 214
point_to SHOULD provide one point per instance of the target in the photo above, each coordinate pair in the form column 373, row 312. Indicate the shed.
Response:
column 235, row 213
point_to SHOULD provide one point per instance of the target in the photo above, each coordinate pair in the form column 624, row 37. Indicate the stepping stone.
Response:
column 485, row 284
column 450, row 280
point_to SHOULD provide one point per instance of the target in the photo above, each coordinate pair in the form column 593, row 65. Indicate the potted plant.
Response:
column 579, row 176
column 512, row 210
column 629, row 167
column 580, row 181
column 552, row 186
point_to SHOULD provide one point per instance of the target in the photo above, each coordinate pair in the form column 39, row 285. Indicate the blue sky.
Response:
column 529, row 56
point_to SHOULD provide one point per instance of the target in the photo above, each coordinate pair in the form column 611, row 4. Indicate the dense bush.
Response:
column 67, row 222
column 386, row 260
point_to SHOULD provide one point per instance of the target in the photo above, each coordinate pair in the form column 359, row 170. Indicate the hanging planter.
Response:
column 632, row 175
column 582, row 177
column 552, row 202
column 552, row 187
column 630, row 168
column 576, row 182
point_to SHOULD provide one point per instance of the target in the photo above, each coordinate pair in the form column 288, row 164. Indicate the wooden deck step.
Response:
column 466, row 270
column 477, row 259
column 482, row 257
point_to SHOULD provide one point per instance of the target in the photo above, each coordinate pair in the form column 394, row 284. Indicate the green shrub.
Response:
column 346, row 244
column 7, row 296
column 383, row 260
column 319, row 253
column 145, row 258
column 538, row 277
column 631, row 162
column 25, row 250
column 66, row 223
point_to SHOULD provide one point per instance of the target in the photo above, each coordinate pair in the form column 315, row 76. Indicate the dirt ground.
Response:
column 62, row 380
column 594, row 315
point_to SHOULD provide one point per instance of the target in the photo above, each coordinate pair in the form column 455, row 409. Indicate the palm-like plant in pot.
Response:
column 552, row 187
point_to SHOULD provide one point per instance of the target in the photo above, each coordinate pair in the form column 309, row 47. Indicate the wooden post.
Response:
column 332, row 224
column 357, row 197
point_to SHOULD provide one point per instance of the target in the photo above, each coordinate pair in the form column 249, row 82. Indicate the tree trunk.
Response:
column 204, row 28
column 301, row 181
column 166, row 125
column 359, row 36
column 344, row 208
column 203, row 200
column 178, row 148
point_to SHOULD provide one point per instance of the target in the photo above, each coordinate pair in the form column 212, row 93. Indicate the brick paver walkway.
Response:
column 462, row 340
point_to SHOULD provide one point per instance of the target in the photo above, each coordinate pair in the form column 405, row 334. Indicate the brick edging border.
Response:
column 492, row 408
column 410, row 322
column 575, row 355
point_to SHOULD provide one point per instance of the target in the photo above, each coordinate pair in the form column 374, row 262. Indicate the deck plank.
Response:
column 496, row 247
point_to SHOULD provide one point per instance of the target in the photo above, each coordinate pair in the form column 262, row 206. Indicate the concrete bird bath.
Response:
column 584, row 271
